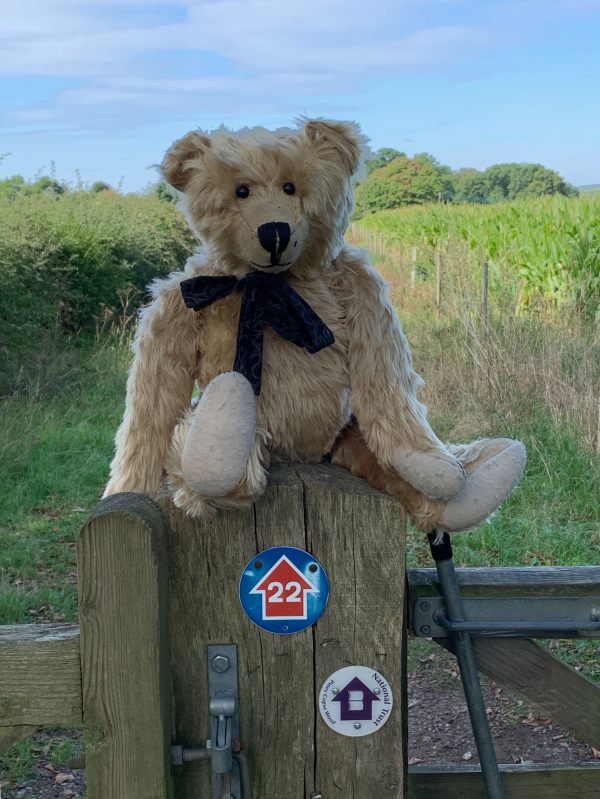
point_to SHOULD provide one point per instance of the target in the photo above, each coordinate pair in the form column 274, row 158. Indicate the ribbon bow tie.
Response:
column 266, row 300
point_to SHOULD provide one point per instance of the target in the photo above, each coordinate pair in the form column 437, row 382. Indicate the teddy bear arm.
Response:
column 384, row 389
column 159, row 390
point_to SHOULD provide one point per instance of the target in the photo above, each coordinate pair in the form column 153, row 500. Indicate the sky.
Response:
column 98, row 89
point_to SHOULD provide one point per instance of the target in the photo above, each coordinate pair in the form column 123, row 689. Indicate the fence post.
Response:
column 124, row 650
column 358, row 534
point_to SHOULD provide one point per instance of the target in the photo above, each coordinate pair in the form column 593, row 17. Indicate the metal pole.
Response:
column 441, row 550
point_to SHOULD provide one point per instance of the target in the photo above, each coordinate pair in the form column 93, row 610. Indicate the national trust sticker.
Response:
column 355, row 701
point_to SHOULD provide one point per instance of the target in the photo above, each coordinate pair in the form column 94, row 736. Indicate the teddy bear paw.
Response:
column 486, row 487
column 438, row 474
column 219, row 441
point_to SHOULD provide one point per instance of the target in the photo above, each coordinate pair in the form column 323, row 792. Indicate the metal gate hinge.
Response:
column 224, row 747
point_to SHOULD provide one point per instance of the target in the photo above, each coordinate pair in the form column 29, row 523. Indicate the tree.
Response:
column 382, row 157
column 404, row 181
column 470, row 186
column 100, row 185
column 509, row 182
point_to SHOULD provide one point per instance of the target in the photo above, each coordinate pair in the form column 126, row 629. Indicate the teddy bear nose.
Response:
column 274, row 237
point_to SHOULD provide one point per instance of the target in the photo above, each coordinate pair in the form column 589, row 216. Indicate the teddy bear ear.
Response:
column 341, row 139
column 177, row 164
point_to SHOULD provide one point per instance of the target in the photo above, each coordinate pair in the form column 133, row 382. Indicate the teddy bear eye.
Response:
column 242, row 191
column 289, row 188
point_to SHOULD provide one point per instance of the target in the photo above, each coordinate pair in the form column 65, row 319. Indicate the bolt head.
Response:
column 425, row 629
column 376, row 691
column 335, row 690
column 425, row 606
column 220, row 663
column 357, row 725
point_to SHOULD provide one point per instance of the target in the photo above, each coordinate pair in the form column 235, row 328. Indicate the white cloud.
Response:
column 121, row 56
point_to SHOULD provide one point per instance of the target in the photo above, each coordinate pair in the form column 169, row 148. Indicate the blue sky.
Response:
column 104, row 86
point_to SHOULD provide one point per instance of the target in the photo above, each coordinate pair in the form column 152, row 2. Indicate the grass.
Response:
column 54, row 454
column 55, row 745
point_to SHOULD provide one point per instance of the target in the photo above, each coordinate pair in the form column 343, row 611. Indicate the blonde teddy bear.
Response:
column 291, row 338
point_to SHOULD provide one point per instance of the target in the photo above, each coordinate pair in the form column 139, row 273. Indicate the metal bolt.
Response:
column 316, row 796
column 595, row 614
column 425, row 629
column 425, row 606
column 335, row 690
column 357, row 725
column 220, row 663
column 376, row 691
column 313, row 567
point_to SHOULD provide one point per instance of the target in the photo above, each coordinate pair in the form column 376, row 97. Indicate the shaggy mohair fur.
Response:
column 356, row 398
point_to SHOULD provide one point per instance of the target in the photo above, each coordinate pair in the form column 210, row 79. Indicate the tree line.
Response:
column 394, row 179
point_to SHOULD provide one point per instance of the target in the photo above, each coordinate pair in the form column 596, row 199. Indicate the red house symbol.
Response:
column 284, row 591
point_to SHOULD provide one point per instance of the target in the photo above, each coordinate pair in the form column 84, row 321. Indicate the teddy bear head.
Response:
column 268, row 200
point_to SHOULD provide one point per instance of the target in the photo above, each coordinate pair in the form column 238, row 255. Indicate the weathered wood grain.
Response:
column 360, row 535
column 40, row 675
column 565, row 695
column 519, row 781
column 347, row 526
column 124, row 651
column 506, row 581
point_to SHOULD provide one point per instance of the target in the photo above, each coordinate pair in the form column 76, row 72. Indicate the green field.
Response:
column 545, row 251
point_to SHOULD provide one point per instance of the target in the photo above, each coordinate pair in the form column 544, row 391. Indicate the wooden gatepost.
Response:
column 156, row 588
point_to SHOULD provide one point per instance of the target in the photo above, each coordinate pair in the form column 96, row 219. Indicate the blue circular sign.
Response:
column 284, row 590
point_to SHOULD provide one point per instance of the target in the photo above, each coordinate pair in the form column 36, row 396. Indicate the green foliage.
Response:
column 164, row 192
column 509, row 182
column 547, row 249
column 382, row 157
column 55, row 451
column 404, row 181
column 70, row 261
column 100, row 185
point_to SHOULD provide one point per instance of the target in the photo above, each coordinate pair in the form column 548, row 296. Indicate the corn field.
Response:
column 546, row 251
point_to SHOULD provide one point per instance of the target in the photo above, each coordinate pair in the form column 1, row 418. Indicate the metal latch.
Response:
column 224, row 748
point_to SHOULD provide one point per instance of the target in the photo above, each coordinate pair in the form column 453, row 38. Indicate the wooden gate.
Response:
column 156, row 588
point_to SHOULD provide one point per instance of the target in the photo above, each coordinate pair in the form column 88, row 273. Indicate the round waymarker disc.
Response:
column 284, row 590
column 356, row 701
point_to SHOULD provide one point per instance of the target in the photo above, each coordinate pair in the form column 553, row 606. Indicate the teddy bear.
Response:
column 292, row 341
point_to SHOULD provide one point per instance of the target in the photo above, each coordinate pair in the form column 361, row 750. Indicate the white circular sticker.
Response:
column 355, row 701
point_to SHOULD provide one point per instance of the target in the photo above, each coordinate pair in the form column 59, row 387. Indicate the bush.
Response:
column 68, row 262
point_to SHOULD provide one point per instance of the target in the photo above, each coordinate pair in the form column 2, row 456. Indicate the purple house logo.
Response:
column 356, row 701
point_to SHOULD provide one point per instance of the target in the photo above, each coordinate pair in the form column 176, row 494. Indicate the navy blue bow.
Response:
column 266, row 300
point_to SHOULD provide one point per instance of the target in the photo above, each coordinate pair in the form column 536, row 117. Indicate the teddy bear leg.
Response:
column 438, row 473
column 351, row 452
column 197, row 505
column 493, row 467
column 220, row 436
